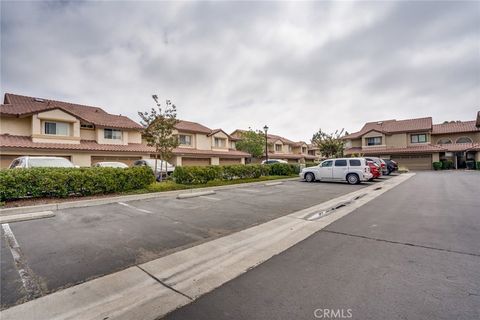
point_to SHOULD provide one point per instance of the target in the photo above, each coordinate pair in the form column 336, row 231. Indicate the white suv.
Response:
column 352, row 170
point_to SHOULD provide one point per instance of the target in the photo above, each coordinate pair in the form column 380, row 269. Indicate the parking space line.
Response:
column 134, row 208
column 29, row 282
column 210, row 198
column 248, row 190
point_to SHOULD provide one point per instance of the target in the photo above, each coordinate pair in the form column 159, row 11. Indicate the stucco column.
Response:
column 215, row 161
column 82, row 160
column 477, row 156
column 436, row 157
column 178, row 161
column 242, row 160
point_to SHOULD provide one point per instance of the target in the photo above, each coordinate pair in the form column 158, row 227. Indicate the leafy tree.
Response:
column 330, row 145
column 252, row 142
column 159, row 128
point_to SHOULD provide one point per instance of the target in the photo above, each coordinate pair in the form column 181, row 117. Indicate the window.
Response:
column 86, row 126
column 220, row 142
column 444, row 141
column 327, row 164
column 464, row 140
column 340, row 163
column 112, row 134
column 418, row 138
column 185, row 140
column 278, row 147
column 374, row 141
column 57, row 128
column 304, row 150
column 355, row 163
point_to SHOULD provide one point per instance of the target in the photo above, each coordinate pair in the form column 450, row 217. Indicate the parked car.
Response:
column 110, row 164
column 41, row 162
column 272, row 161
column 392, row 166
column 161, row 170
column 380, row 162
column 374, row 169
column 352, row 170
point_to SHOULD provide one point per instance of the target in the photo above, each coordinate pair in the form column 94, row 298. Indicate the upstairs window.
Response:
column 418, row 138
column 444, row 141
column 112, row 134
column 220, row 142
column 374, row 141
column 86, row 126
column 464, row 140
column 278, row 147
column 304, row 150
column 57, row 128
column 185, row 140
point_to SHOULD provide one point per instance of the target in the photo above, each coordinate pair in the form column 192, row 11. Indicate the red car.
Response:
column 374, row 169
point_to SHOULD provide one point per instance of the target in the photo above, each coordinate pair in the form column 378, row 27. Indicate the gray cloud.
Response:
column 294, row 66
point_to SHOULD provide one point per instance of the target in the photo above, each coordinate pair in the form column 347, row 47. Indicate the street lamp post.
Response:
column 266, row 144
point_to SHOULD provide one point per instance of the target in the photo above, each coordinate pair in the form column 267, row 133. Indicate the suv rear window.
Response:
column 340, row 163
column 355, row 163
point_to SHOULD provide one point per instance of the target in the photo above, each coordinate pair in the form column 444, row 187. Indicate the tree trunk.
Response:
column 155, row 168
column 161, row 168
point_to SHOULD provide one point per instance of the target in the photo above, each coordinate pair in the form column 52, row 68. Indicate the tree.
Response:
column 159, row 128
column 330, row 145
column 252, row 142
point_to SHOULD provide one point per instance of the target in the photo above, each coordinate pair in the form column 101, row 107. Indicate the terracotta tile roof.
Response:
column 193, row 127
column 426, row 148
column 393, row 126
column 454, row 127
column 17, row 105
column 230, row 153
column 9, row 141
column 272, row 138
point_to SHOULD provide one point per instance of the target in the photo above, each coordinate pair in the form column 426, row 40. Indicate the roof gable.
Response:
column 394, row 126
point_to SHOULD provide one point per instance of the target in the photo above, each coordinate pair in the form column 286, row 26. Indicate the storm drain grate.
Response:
column 324, row 213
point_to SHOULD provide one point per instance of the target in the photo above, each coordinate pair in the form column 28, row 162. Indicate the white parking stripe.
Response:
column 135, row 208
column 28, row 281
column 248, row 190
column 210, row 198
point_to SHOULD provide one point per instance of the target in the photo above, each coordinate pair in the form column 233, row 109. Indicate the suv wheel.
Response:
column 309, row 177
column 352, row 178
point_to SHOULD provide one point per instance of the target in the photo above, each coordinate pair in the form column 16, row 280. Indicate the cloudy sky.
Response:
column 296, row 67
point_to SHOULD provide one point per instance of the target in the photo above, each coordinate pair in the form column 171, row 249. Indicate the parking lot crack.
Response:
column 401, row 243
column 164, row 284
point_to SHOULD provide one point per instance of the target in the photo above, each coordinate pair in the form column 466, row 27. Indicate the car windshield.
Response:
column 49, row 162
column 113, row 165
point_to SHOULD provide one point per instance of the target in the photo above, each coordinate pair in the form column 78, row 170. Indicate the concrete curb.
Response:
column 273, row 183
column 194, row 194
column 95, row 202
column 26, row 216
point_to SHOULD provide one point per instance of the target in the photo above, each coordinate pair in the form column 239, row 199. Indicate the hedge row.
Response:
column 63, row 182
column 199, row 175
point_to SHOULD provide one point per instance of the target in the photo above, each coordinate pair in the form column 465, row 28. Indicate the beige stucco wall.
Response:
column 82, row 160
column 134, row 136
column 88, row 134
column 435, row 157
column 396, row 140
column 220, row 135
column 16, row 126
column 38, row 123
column 215, row 161
column 372, row 134
column 203, row 142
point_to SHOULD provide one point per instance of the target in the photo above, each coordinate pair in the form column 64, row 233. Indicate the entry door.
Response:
column 339, row 169
column 325, row 170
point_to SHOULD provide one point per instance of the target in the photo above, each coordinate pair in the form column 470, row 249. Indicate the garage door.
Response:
column 226, row 161
column 414, row 162
column 127, row 160
column 195, row 161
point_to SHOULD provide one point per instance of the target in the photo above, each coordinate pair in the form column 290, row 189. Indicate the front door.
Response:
column 325, row 170
column 339, row 169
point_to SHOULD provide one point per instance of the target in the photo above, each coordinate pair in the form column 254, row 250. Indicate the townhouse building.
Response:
column 283, row 149
column 417, row 143
column 86, row 135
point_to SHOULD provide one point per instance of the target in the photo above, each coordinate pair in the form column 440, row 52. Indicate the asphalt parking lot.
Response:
column 80, row 244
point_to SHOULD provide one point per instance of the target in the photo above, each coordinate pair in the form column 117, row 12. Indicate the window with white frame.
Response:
column 418, row 138
column 185, row 139
column 220, row 142
column 112, row 134
column 464, row 140
column 57, row 128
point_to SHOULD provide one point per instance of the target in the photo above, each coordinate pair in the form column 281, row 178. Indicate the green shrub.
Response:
column 202, row 175
column 478, row 165
column 447, row 164
column 310, row 164
column 437, row 165
column 64, row 182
